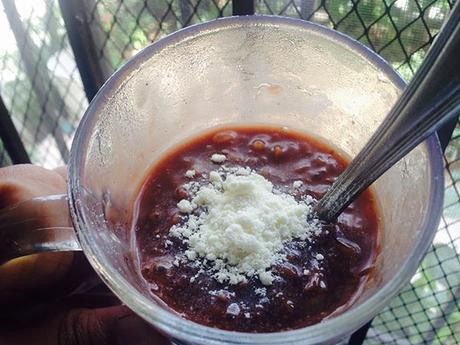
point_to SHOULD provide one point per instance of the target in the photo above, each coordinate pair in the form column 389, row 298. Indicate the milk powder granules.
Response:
column 238, row 223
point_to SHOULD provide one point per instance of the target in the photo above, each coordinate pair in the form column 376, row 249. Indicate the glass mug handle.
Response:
column 41, row 224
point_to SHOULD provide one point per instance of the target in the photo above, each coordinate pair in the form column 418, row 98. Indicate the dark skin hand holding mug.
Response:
column 42, row 295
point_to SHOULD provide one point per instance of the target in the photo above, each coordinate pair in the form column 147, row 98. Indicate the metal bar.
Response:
column 444, row 133
column 83, row 45
column 359, row 336
column 10, row 137
column 243, row 7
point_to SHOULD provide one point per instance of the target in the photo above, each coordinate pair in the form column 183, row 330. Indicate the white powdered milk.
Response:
column 238, row 223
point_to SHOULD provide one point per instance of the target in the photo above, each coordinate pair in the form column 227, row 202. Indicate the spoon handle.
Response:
column 430, row 100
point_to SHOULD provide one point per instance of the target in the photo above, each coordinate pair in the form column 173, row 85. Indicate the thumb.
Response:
column 105, row 326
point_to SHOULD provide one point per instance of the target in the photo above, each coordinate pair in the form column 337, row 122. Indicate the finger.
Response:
column 34, row 273
column 25, row 181
column 62, row 170
column 105, row 326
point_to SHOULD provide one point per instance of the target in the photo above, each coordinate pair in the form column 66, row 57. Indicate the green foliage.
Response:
column 131, row 24
column 400, row 31
column 45, row 38
column 21, row 100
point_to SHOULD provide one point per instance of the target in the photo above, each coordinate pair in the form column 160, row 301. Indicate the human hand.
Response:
column 28, row 276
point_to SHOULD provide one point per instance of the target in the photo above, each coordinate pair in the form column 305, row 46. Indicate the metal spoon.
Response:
column 428, row 102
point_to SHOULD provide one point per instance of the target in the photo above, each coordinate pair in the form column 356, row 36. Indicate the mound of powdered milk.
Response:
column 238, row 224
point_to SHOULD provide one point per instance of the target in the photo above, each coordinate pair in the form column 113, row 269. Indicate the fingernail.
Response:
column 132, row 330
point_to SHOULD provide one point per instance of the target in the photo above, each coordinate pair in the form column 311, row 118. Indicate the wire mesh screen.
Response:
column 41, row 86
column 39, row 81
column 122, row 28
column 400, row 31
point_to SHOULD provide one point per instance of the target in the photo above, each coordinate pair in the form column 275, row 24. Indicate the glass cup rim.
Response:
column 194, row 332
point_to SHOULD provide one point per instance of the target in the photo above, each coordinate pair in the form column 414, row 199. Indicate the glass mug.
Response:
column 240, row 70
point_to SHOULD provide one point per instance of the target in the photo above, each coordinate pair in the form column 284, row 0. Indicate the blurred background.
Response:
column 45, row 95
